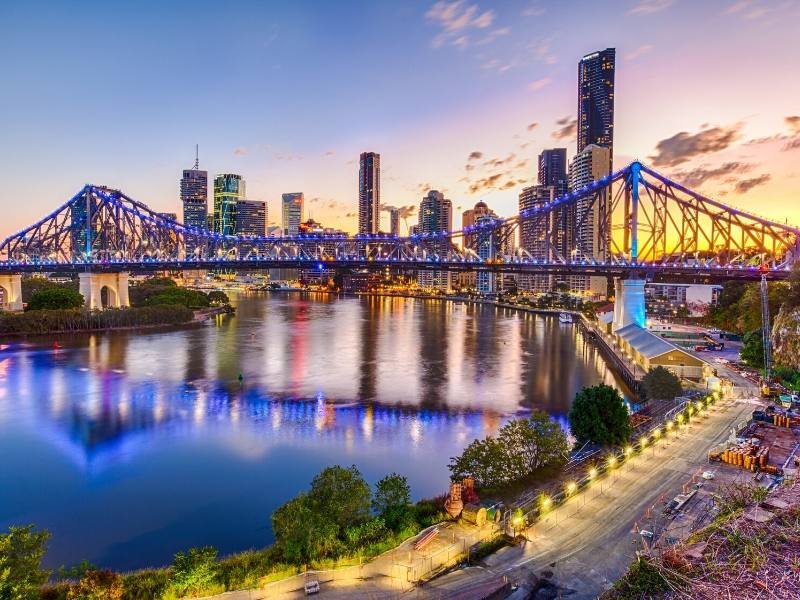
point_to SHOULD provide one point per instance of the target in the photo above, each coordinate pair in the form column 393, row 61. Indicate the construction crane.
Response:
column 765, row 329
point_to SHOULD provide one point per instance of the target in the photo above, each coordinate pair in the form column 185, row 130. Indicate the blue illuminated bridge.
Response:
column 644, row 225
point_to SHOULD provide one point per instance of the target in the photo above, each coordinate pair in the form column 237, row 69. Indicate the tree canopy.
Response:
column 599, row 415
column 341, row 493
column 521, row 447
column 752, row 352
column 55, row 298
column 391, row 492
column 660, row 383
column 21, row 552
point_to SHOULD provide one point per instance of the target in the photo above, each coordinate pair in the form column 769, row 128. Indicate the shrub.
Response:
column 599, row 415
column 97, row 585
column 55, row 298
column 661, row 383
column 194, row 571
column 21, row 552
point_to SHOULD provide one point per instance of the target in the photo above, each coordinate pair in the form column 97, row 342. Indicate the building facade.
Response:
column 536, row 235
column 369, row 192
column 394, row 221
column 596, row 101
column 229, row 188
column 435, row 215
column 194, row 199
column 292, row 212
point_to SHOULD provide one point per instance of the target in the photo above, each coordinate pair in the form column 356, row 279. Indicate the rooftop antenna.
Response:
column 196, row 157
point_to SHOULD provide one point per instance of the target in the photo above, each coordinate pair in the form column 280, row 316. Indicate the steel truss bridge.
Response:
column 632, row 223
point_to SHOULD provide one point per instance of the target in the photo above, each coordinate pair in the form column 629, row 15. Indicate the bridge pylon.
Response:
column 12, row 291
column 628, row 303
column 116, row 284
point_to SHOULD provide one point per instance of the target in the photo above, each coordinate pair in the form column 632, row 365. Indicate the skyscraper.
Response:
column 536, row 236
column 369, row 192
column 394, row 221
column 194, row 200
column 596, row 101
column 292, row 212
column 251, row 220
column 228, row 190
column 435, row 216
column 592, row 228
column 553, row 174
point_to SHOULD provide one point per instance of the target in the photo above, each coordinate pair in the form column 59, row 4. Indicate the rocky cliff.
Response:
column 786, row 338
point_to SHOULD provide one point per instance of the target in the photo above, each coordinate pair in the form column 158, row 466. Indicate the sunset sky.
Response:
column 288, row 95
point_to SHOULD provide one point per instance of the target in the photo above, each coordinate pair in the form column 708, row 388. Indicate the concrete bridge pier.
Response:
column 628, row 303
column 12, row 291
column 116, row 285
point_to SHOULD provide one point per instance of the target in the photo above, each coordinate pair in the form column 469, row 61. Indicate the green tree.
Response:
column 752, row 352
column 98, row 585
column 218, row 298
column 55, row 298
column 484, row 460
column 194, row 571
column 35, row 283
column 21, row 574
column 599, row 415
column 341, row 494
column 660, row 383
column 178, row 295
column 302, row 534
column 391, row 492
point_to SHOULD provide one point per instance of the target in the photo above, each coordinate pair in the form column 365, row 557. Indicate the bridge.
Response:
column 644, row 226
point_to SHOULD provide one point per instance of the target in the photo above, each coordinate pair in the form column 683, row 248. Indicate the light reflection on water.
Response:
column 130, row 447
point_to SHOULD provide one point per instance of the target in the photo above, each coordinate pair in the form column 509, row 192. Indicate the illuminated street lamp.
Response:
column 592, row 473
column 628, row 450
column 571, row 487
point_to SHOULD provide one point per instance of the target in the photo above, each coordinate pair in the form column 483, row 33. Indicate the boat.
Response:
column 564, row 317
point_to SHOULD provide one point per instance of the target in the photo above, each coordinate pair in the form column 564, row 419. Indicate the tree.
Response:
column 303, row 534
column 178, row 295
column 599, row 415
column 752, row 352
column 21, row 574
column 661, row 383
column 341, row 494
column 218, row 298
column 35, row 283
column 55, row 298
column 193, row 571
column 98, row 585
column 391, row 492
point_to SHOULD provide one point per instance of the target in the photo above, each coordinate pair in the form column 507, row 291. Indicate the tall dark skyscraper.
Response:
column 553, row 170
column 228, row 190
column 369, row 193
column 596, row 101
column 194, row 200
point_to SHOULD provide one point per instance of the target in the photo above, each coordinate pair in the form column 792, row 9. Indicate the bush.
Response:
column 97, row 585
column 194, row 571
column 661, row 384
column 599, row 415
column 56, row 298
column 752, row 352
column 391, row 492
column 146, row 585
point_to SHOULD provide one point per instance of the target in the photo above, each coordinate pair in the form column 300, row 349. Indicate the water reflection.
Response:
column 130, row 447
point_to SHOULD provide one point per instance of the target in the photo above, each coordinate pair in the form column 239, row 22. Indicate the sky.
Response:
column 459, row 96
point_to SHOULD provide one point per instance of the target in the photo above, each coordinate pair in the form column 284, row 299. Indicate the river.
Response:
column 132, row 446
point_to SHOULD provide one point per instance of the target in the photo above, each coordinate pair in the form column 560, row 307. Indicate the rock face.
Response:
column 786, row 339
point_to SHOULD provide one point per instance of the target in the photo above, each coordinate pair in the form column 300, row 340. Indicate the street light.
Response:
column 571, row 487
column 592, row 473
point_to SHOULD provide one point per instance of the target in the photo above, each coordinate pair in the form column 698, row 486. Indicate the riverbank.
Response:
column 69, row 321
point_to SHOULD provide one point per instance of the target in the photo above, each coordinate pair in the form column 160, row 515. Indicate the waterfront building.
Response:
column 536, row 235
column 292, row 212
column 591, row 230
column 435, row 216
column 229, row 188
column 394, row 221
column 369, row 192
column 596, row 101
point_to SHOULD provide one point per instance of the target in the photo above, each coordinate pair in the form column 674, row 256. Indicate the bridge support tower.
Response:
column 628, row 303
column 12, row 291
column 116, row 285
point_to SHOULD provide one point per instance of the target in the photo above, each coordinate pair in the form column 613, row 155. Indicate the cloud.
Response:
column 499, row 162
column 534, row 10
column 403, row 211
column 287, row 156
column 497, row 65
column 475, row 155
column 567, row 128
column 541, row 50
column 241, row 152
column 455, row 19
column 350, row 215
column 640, row 51
column 745, row 185
column 752, row 9
column 698, row 176
column 329, row 153
column 794, row 123
column 508, row 185
column 539, row 84
column 485, row 183
column 685, row 146
column 648, row 7
column 493, row 35
column 532, row 126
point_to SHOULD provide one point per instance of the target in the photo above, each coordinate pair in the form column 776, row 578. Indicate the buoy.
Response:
column 56, row 346
column 241, row 378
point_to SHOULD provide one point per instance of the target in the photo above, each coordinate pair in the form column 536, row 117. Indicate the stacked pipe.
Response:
column 748, row 456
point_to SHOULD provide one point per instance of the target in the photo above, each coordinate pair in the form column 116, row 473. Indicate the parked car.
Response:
column 312, row 587
column 708, row 475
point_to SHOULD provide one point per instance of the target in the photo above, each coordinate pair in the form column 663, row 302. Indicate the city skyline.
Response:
column 512, row 97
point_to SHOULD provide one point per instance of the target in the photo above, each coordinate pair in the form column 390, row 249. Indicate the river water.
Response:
column 131, row 446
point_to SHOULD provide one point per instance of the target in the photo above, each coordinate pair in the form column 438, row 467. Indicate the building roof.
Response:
column 645, row 343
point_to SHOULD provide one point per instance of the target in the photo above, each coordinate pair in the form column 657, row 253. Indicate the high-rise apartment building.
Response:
column 553, row 174
column 537, row 236
column 194, row 200
column 369, row 192
column 435, row 216
column 292, row 212
column 596, row 101
column 228, row 190
column 394, row 221
column 251, row 220
column 592, row 229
